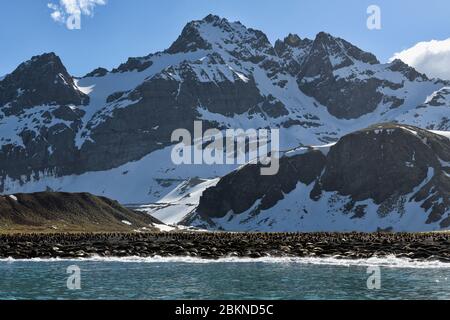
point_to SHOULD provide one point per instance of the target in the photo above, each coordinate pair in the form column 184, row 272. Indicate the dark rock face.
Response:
column 156, row 107
column 387, row 162
column 410, row 73
column 223, row 96
column 67, row 113
column 134, row 64
column 362, row 99
column 48, row 143
column 344, row 98
column 440, row 98
column 274, row 108
column 293, row 50
column 372, row 164
column 189, row 40
column 285, row 48
column 99, row 72
column 162, row 103
column 339, row 48
column 239, row 190
column 41, row 81
column 53, row 150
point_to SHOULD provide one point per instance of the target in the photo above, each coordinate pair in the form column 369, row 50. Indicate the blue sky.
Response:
column 124, row 28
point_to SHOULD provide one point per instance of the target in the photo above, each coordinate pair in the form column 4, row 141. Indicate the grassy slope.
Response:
column 68, row 212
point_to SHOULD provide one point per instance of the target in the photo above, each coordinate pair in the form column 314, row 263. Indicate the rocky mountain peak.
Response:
column 214, row 19
column 47, row 64
column 221, row 34
column 189, row 40
column 192, row 38
column 41, row 80
column 49, row 57
column 293, row 40
column 98, row 72
column 134, row 64
column 335, row 64
column 409, row 72
column 290, row 42
column 339, row 52
column 293, row 50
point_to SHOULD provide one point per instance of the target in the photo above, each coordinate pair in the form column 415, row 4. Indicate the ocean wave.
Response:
column 387, row 262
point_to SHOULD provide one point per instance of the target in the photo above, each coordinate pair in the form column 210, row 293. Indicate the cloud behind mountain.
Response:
column 431, row 58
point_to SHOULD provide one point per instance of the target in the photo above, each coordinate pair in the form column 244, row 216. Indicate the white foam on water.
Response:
column 386, row 262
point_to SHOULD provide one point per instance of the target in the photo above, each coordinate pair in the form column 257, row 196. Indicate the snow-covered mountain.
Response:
column 109, row 132
column 386, row 177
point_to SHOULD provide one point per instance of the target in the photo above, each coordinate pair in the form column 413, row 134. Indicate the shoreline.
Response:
column 213, row 246
column 390, row 262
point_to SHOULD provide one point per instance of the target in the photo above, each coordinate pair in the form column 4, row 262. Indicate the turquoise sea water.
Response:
column 180, row 278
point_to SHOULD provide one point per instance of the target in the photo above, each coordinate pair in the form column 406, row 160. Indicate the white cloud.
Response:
column 73, row 8
column 431, row 58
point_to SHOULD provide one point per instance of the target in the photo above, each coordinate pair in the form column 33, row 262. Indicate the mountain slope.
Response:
column 386, row 177
column 66, row 212
column 43, row 80
column 109, row 133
